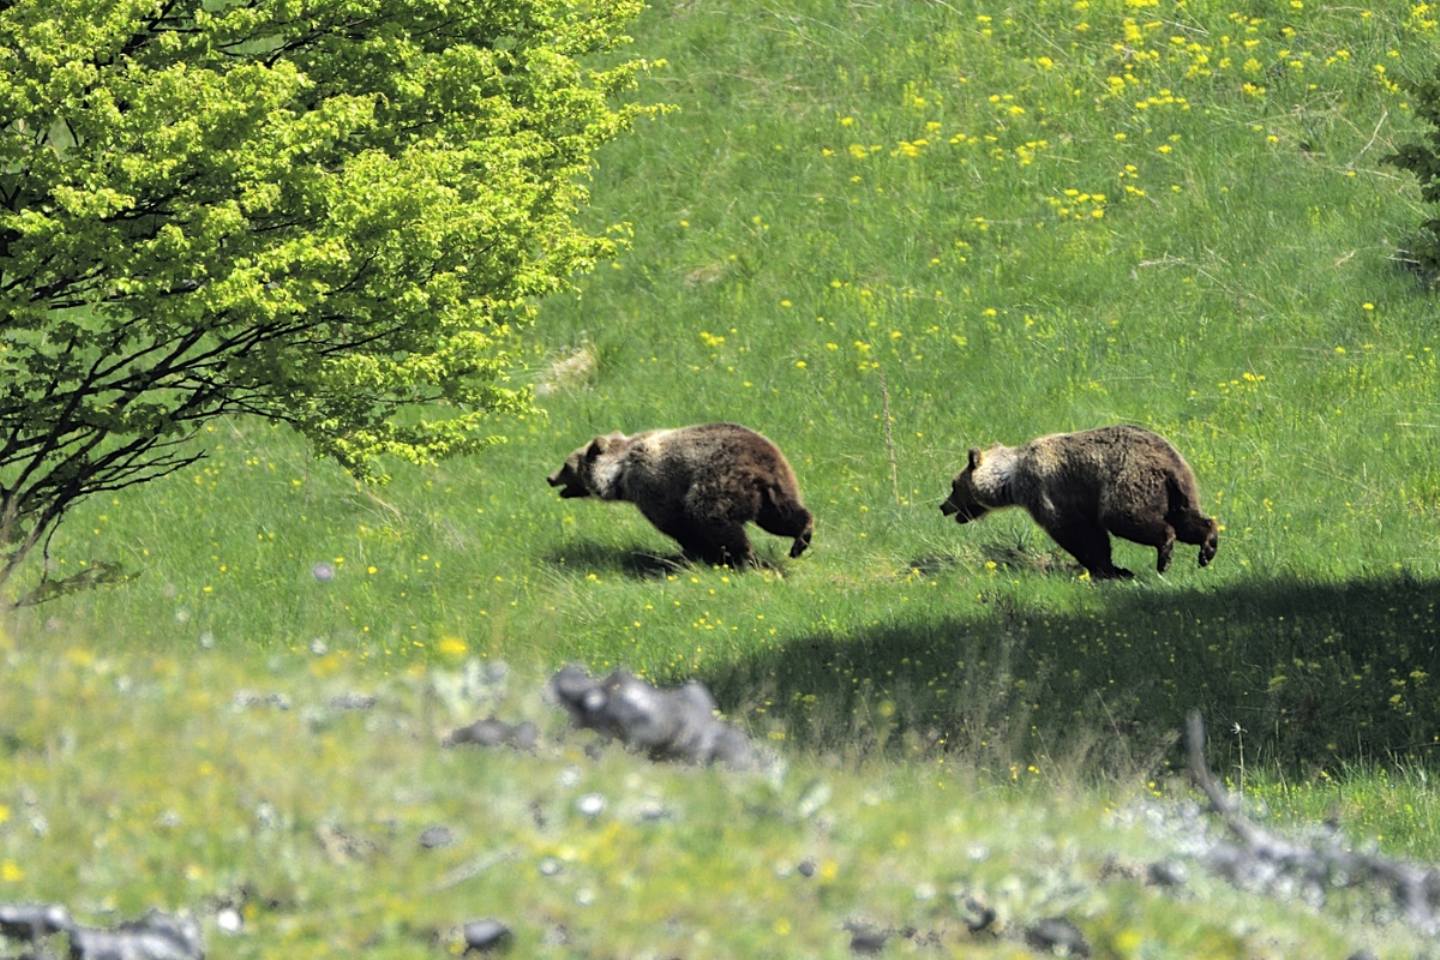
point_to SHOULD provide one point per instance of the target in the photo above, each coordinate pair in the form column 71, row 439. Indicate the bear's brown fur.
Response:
column 699, row 485
column 1083, row 486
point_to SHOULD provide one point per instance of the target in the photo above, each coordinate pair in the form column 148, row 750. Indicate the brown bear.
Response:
column 699, row 485
column 1083, row 486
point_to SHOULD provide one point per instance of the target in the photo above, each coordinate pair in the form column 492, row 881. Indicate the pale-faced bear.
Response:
column 1083, row 486
column 699, row 485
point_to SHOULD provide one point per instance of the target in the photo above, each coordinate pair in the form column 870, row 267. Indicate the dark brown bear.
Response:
column 1081, row 487
column 699, row 485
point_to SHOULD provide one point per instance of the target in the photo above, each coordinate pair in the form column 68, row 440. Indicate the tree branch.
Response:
column 1414, row 888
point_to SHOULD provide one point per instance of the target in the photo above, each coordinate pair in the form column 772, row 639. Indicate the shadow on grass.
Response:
column 1019, row 555
column 1292, row 675
column 588, row 556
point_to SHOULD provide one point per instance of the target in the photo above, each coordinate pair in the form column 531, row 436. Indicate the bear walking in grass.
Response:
column 699, row 485
column 1082, row 487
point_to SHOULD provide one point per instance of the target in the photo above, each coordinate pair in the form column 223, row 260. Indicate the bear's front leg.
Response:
column 690, row 536
column 722, row 546
column 1090, row 544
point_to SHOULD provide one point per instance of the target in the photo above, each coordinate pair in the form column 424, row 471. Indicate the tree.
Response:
column 326, row 213
column 1422, row 250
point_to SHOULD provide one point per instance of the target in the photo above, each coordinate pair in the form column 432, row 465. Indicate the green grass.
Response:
column 802, row 261
column 796, row 258
column 1391, row 808
column 307, row 821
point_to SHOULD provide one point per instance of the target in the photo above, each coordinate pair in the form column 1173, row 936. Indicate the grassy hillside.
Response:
column 881, row 234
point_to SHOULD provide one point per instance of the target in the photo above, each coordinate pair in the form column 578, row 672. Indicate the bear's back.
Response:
column 1074, row 472
column 723, row 446
column 665, row 463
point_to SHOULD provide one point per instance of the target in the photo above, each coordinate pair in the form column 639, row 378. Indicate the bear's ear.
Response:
column 597, row 447
column 974, row 457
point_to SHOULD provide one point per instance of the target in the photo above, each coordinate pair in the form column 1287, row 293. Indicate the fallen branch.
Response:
column 1414, row 888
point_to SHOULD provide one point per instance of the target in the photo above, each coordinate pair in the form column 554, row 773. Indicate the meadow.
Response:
column 881, row 233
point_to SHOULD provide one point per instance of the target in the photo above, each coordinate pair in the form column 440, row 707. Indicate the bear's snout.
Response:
column 570, row 485
column 948, row 508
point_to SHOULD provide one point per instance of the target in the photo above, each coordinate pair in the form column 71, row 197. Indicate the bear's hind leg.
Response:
column 1090, row 544
column 1153, row 533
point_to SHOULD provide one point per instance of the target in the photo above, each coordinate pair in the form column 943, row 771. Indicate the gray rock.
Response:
column 246, row 699
column 155, row 936
column 491, row 732
column 486, row 936
column 866, row 938
column 1167, row 873
column 433, row 838
column 354, row 701
column 1057, row 936
column 977, row 914
column 32, row 921
column 230, row 921
column 653, row 810
column 674, row 724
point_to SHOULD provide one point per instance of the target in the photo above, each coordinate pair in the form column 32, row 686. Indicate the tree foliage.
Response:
column 326, row 213
column 1423, row 160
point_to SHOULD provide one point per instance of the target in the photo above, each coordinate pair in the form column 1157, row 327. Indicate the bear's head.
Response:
column 964, row 501
column 576, row 476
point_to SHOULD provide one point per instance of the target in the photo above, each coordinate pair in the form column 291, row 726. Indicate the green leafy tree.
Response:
column 1423, row 159
column 326, row 213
